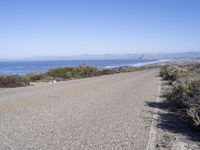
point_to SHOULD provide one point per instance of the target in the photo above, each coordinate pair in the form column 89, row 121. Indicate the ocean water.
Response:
column 23, row 67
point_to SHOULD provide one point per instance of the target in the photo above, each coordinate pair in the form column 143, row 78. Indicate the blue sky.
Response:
column 71, row 27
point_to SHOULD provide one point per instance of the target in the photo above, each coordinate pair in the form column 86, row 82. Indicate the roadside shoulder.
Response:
column 171, row 133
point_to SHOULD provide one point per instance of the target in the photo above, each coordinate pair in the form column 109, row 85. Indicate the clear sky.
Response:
column 70, row 27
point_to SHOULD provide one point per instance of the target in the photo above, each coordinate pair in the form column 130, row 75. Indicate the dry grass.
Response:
column 185, row 93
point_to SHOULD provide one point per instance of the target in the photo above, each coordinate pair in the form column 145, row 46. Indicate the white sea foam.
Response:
column 137, row 64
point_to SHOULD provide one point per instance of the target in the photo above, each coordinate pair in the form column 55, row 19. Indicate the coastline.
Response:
column 58, row 74
column 24, row 67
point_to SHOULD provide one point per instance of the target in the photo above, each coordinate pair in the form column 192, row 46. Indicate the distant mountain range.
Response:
column 185, row 55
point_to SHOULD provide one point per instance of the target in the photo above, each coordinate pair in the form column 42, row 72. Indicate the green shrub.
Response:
column 12, row 81
column 185, row 93
column 87, row 71
column 178, row 96
column 185, row 97
column 34, row 77
column 172, row 73
column 82, row 71
column 60, row 72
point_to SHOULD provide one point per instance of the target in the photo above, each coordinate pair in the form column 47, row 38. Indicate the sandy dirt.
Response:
column 172, row 132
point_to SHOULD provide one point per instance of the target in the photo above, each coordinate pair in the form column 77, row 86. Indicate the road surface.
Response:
column 106, row 112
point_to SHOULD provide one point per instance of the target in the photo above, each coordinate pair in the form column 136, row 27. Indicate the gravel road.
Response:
column 106, row 112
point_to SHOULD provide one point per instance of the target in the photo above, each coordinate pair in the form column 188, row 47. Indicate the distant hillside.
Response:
column 186, row 55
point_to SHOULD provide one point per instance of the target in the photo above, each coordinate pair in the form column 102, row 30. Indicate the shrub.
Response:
column 87, row 71
column 108, row 71
column 185, row 93
column 185, row 97
column 172, row 73
column 60, row 72
column 84, row 71
column 34, row 77
column 178, row 96
column 13, row 81
column 81, row 71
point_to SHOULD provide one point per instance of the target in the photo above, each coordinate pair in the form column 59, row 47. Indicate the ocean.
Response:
column 23, row 67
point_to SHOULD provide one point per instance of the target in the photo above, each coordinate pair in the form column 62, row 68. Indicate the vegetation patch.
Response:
column 62, row 74
column 82, row 71
column 185, row 93
column 12, row 81
column 32, row 77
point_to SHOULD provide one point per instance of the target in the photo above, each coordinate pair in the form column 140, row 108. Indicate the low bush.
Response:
column 108, row 71
column 34, row 76
column 172, row 72
column 62, row 73
column 185, row 93
column 82, row 71
column 121, row 69
column 12, row 81
column 87, row 71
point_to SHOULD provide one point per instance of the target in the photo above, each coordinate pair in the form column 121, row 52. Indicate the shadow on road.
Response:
column 169, row 121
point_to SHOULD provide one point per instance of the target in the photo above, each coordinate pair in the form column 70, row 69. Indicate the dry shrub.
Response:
column 185, row 93
column 108, row 71
column 172, row 72
column 12, row 81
